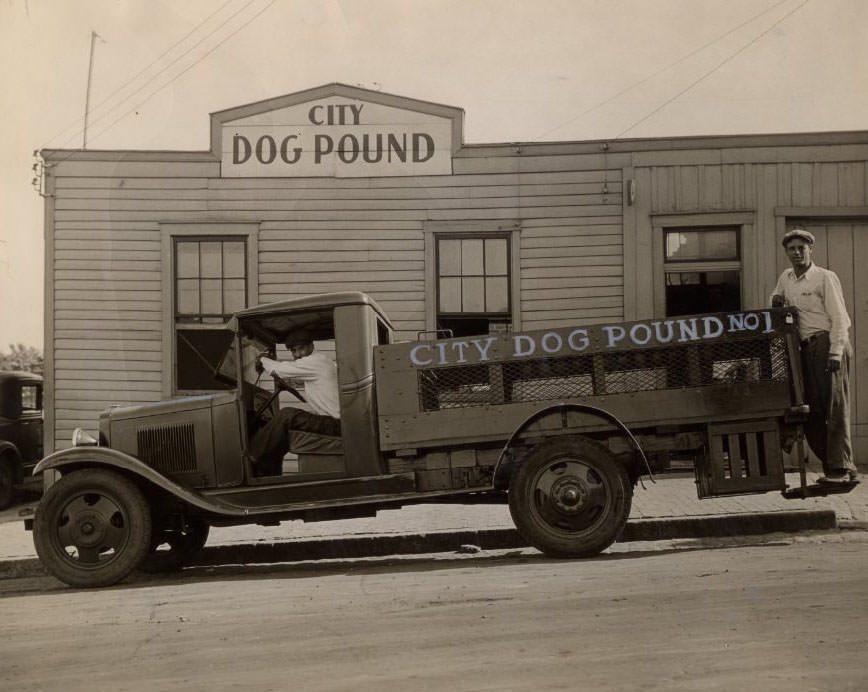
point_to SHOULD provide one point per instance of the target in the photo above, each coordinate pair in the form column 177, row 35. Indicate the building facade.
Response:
column 340, row 188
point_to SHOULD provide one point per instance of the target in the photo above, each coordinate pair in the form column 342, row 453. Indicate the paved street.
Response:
column 787, row 614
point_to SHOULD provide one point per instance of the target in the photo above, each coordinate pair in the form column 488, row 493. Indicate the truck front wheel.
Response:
column 570, row 497
column 92, row 528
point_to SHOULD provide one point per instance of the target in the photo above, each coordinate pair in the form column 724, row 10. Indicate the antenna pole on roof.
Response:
column 93, row 37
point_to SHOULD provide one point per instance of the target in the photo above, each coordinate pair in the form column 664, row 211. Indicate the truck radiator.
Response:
column 760, row 359
column 168, row 448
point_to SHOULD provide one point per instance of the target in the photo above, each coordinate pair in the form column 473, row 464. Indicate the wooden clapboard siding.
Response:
column 572, row 273
column 295, row 263
column 107, row 290
column 735, row 186
column 421, row 183
column 132, row 197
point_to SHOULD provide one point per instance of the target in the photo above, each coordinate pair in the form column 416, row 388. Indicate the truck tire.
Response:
column 7, row 480
column 92, row 528
column 570, row 497
column 171, row 550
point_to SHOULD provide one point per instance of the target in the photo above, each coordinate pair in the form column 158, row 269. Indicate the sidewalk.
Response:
column 666, row 509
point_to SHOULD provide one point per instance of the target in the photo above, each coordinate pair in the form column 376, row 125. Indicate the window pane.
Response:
column 450, row 257
column 473, row 294
column 690, row 293
column 198, row 353
column 29, row 398
column 233, row 295
column 212, row 266
column 188, row 260
column 496, row 294
column 720, row 244
column 212, row 303
column 188, row 296
column 471, row 256
column 450, row 295
column 233, row 260
column 495, row 256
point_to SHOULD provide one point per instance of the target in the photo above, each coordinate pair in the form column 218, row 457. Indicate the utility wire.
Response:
column 663, row 69
column 139, row 74
column 185, row 53
column 712, row 70
column 187, row 69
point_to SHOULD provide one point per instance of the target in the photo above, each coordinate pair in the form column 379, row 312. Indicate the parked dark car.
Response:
column 20, row 433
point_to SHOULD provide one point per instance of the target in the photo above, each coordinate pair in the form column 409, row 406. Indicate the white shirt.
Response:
column 320, row 376
column 819, row 299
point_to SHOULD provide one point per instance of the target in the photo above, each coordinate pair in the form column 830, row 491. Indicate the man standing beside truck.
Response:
column 825, row 349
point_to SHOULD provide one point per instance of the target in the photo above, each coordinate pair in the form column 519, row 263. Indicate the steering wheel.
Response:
column 280, row 385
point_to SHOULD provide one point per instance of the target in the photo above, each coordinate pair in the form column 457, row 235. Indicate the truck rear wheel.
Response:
column 92, row 528
column 570, row 497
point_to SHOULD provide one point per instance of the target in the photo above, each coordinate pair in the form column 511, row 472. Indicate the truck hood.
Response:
column 159, row 408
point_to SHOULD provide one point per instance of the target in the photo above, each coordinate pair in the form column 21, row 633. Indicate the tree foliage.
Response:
column 21, row 357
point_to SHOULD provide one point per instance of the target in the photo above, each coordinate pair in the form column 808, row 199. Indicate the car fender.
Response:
column 6, row 446
column 582, row 408
column 9, row 448
column 82, row 457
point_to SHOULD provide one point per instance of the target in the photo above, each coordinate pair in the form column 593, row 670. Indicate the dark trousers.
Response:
column 828, row 395
column 271, row 443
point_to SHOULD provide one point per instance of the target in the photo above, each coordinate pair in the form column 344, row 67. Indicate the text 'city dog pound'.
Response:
column 337, row 137
column 559, row 342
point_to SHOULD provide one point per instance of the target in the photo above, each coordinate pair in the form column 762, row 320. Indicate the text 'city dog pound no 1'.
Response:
column 565, row 341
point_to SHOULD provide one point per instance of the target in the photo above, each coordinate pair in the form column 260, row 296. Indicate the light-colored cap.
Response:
column 807, row 236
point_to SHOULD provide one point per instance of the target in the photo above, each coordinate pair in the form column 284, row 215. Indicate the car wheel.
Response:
column 92, row 528
column 7, row 481
column 570, row 497
column 171, row 550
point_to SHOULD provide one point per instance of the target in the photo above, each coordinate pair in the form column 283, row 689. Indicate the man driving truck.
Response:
column 318, row 372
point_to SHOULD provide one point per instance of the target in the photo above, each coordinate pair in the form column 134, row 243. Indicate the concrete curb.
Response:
column 490, row 539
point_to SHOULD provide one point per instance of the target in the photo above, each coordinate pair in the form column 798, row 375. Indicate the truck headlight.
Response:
column 82, row 438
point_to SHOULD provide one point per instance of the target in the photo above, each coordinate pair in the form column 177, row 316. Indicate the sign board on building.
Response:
column 338, row 136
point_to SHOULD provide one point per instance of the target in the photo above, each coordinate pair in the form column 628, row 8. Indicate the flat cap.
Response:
column 298, row 337
column 807, row 236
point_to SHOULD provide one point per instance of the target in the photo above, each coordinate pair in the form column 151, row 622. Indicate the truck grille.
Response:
column 168, row 448
column 555, row 378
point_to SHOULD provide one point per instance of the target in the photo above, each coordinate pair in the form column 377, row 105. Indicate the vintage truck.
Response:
column 561, row 424
column 20, row 433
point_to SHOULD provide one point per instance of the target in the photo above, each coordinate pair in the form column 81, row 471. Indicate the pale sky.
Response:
column 523, row 70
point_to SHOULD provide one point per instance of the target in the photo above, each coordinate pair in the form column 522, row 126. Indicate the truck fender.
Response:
column 80, row 457
column 582, row 408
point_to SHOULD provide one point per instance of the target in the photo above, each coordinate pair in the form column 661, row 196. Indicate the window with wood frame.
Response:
column 702, row 269
column 210, row 284
column 473, row 283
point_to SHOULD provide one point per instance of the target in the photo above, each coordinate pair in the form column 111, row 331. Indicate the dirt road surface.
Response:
column 788, row 615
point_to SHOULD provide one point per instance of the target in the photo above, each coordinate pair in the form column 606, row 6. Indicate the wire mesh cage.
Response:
column 730, row 361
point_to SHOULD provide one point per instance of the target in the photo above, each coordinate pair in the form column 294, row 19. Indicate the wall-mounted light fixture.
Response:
column 631, row 191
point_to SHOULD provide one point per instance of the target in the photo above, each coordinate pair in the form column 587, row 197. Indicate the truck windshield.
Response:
column 250, row 348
